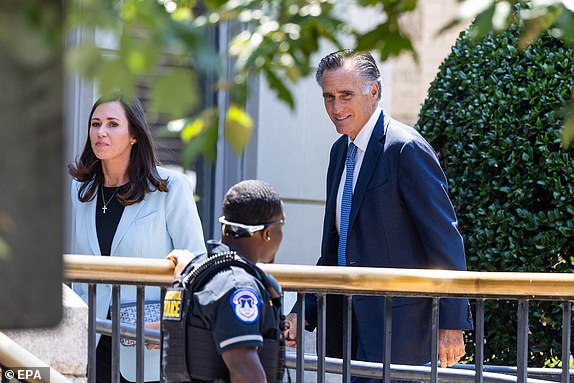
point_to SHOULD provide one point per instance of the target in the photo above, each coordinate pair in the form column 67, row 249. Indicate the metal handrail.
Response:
column 349, row 281
column 14, row 356
column 151, row 336
column 459, row 373
column 374, row 370
column 334, row 279
column 456, row 374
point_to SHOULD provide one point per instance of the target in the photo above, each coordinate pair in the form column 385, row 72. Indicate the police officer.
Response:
column 234, row 322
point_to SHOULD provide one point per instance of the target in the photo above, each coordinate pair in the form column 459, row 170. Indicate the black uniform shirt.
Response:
column 231, row 306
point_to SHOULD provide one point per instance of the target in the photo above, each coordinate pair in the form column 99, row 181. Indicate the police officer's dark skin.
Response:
column 243, row 362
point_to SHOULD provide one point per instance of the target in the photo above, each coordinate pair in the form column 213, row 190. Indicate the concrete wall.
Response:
column 293, row 154
column 410, row 81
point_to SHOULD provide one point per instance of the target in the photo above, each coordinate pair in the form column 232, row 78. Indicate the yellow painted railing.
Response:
column 340, row 279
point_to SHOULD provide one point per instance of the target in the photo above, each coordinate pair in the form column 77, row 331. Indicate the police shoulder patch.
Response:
column 245, row 303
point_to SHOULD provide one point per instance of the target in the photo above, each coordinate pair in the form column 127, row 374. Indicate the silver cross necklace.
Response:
column 105, row 207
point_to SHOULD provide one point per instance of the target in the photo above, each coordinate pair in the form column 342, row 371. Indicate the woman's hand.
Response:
column 180, row 258
column 155, row 326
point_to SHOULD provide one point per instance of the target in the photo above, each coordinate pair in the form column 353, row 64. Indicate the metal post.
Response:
column 321, row 331
column 115, row 378
column 522, row 348
column 163, row 291
column 387, row 348
column 434, row 340
column 139, row 335
column 347, row 328
column 300, row 373
column 566, row 334
column 479, row 340
column 92, row 333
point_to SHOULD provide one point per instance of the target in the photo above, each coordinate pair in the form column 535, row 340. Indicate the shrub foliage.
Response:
column 493, row 114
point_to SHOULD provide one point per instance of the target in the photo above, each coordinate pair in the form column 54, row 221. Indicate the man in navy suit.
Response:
column 392, row 211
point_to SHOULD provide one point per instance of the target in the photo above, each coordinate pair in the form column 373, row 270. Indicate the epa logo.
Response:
column 28, row 374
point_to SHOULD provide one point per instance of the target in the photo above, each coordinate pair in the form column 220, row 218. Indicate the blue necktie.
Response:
column 346, row 205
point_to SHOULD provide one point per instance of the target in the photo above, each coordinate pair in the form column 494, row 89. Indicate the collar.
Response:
column 362, row 139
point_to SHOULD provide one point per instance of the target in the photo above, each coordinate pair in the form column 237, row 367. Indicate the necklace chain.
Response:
column 105, row 207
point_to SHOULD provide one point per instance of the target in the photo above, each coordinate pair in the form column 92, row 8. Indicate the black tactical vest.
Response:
column 188, row 352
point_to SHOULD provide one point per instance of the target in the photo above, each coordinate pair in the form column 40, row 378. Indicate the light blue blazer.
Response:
column 149, row 229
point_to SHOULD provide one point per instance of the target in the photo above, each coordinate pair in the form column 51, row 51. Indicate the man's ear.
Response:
column 375, row 90
column 266, row 234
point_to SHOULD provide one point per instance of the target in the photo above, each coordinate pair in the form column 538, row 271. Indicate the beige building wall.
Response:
column 410, row 81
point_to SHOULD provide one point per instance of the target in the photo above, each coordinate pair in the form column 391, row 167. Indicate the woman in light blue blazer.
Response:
column 127, row 206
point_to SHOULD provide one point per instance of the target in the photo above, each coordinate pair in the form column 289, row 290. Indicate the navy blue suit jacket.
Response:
column 401, row 217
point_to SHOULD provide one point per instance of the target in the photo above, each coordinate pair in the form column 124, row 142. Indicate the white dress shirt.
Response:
column 361, row 141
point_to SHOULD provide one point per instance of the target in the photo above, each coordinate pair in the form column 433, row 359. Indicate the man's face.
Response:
column 348, row 107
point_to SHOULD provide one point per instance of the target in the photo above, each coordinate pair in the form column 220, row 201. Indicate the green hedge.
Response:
column 493, row 115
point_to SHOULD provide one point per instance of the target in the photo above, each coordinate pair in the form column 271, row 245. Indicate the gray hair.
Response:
column 362, row 61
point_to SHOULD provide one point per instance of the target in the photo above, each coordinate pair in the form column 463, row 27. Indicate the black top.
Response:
column 107, row 223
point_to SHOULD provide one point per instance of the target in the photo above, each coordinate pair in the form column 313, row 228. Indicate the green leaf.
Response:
column 387, row 39
column 4, row 249
column 238, row 128
column 194, row 128
column 448, row 26
column 205, row 142
column 279, row 87
column 392, row 7
column 483, row 23
column 535, row 26
column 568, row 131
column 565, row 27
column 140, row 55
column 212, row 4
column 175, row 92
column 84, row 59
column 114, row 77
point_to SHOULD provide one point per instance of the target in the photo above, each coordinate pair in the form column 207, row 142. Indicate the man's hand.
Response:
column 180, row 258
column 290, row 332
column 450, row 346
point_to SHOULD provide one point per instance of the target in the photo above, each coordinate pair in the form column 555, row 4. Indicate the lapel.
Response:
column 89, row 218
column 128, row 217
column 340, row 152
column 374, row 150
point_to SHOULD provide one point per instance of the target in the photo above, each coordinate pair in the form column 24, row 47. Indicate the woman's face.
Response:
column 109, row 132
